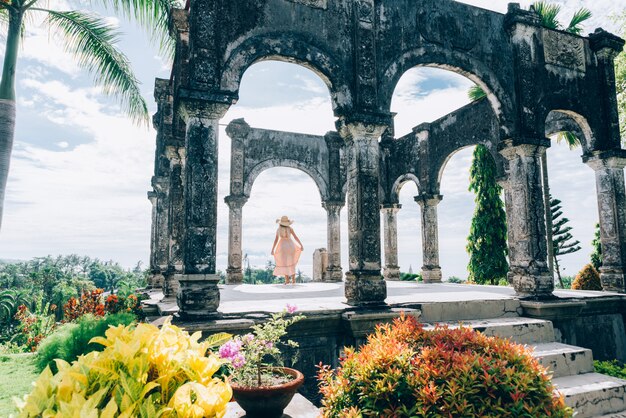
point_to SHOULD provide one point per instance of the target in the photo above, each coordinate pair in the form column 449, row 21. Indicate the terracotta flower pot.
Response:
column 268, row 401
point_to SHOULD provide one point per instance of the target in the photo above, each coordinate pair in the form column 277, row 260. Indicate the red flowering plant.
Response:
column 407, row 371
column 34, row 326
column 90, row 302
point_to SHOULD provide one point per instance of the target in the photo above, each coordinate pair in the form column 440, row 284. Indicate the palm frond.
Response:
column 152, row 15
column 569, row 138
column 549, row 14
column 92, row 41
column 476, row 93
column 579, row 17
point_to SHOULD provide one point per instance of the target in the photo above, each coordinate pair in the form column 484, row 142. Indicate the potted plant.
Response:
column 261, row 385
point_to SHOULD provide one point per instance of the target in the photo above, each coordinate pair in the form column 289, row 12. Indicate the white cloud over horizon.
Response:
column 68, row 194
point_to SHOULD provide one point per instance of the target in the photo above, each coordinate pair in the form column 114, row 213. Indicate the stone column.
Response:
column 176, row 156
column 390, row 232
column 161, row 229
column 199, row 295
column 364, row 282
column 528, row 272
column 431, row 270
column 609, row 169
column 234, row 272
column 153, row 281
column 334, row 272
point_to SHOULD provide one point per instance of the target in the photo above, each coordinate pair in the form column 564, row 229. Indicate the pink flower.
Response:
column 230, row 350
column 238, row 361
column 248, row 338
column 291, row 308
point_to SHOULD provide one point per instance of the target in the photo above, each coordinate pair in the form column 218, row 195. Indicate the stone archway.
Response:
column 361, row 48
column 254, row 151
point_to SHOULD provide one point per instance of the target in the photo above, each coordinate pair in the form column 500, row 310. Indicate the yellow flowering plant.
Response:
column 143, row 371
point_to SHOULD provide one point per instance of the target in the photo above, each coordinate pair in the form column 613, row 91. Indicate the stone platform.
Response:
column 567, row 333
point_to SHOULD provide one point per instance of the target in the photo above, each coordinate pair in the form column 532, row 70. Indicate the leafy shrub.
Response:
column 142, row 372
column 567, row 282
column 456, row 280
column 587, row 279
column 34, row 326
column 406, row 371
column 72, row 340
column 89, row 303
column 410, row 277
column 613, row 368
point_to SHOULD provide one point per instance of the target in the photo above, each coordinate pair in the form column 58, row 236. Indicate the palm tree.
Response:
column 549, row 18
column 92, row 41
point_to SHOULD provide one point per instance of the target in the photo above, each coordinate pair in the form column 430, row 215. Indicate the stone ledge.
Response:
column 553, row 310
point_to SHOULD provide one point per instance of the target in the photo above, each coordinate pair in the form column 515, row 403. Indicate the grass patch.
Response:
column 17, row 372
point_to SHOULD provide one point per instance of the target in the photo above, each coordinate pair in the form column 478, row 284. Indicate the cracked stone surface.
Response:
column 593, row 394
column 564, row 360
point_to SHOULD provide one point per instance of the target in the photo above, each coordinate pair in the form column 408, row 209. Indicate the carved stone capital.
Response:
column 238, row 129
column 363, row 127
column 390, row 207
column 523, row 147
column 427, row 199
column 202, row 110
column 606, row 45
column 236, row 202
column 615, row 159
column 333, row 206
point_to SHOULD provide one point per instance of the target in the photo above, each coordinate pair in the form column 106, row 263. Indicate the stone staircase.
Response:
column 590, row 394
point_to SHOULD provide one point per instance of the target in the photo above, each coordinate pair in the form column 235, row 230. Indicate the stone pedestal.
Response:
column 390, row 232
column 364, row 283
column 528, row 271
column 234, row 272
column 320, row 264
column 198, row 294
column 609, row 170
column 431, row 270
column 334, row 272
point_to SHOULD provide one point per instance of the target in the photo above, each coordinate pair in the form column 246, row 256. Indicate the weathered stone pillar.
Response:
column 528, row 271
column 364, row 283
column 176, row 156
column 334, row 272
column 431, row 270
column 199, row 295
column 153, row 280
column 609, row 169
column 234, row 272
column 390, row 232
column 161, row 232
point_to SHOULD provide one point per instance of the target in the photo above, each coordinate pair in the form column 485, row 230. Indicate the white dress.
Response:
column 287, row 253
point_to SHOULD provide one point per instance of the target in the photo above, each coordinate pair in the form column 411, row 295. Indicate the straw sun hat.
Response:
column 284, row 221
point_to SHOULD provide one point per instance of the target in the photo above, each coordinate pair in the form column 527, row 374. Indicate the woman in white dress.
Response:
column 285, row 252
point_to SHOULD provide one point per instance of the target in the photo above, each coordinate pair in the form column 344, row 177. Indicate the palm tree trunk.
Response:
column 548, row 210
column 7, row 100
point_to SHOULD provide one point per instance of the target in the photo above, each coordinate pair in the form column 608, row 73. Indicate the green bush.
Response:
column 410, row 277
column 72, row 340
column 456, row 280
column 406, row 371
column 613, row 368
column 587, row 279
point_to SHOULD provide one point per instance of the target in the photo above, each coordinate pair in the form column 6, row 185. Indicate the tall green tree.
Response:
column 596, row 244
column 563, row 242
column 486, row 243
column 93, row 43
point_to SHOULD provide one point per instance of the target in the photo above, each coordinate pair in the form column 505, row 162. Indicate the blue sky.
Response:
column 81, row 170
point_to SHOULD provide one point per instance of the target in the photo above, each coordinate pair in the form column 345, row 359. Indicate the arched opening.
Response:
column 432, row 104
column 455, row 214
column 409, row 231
column 573, row 184
column 283, row 97
column 297, row 197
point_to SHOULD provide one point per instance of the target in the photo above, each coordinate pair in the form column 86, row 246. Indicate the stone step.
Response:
column 520, row 330
column 564, row 360
column 621, row 414
column 593, row 394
